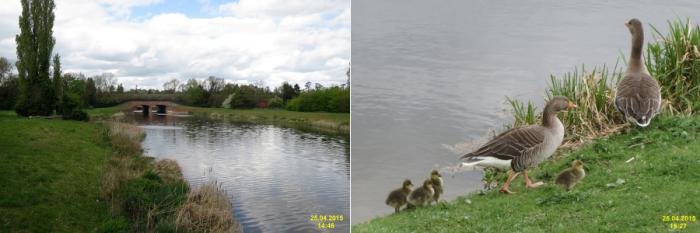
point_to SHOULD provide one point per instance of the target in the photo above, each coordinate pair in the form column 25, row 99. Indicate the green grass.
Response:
column 50, row 175
column 661, row 180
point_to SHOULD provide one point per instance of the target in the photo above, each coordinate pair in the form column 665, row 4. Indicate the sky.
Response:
column 148, row 42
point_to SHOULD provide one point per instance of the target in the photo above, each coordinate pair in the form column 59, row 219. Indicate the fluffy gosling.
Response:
column 423, row 195
column 397, row 198
column 571, row 176
column 436, row 178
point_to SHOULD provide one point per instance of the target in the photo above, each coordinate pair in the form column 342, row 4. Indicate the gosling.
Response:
column 571, row 176
column 423, row 195
column 397, row 198
column 436, row 178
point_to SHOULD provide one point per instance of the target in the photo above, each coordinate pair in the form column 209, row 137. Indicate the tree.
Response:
column 287, row 92
column 297, row 90
column 120, row 89
column 8, row 85
column 171, row 86
column 90, row 96
column 34, row 47
column 308, row 86
column 57, row 80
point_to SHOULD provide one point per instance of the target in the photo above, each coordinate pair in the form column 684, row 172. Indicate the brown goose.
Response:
column 571, row 176
column 397, row 198
column 436, row 178
column 423, row 195
column 523, row 147
column 638, row 94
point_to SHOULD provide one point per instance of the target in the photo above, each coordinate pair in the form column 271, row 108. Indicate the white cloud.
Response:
column 272, row 41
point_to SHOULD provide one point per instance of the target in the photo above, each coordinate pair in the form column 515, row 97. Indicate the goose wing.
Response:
column 511, row 144
column 638, row 97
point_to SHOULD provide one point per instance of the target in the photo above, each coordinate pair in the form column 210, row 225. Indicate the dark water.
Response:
column 430, row 76
column 276, row 177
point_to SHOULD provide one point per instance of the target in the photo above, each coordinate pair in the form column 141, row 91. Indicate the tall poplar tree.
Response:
column 34, row 47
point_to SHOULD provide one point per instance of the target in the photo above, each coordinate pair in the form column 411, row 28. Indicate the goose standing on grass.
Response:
column 397, row 198
column 638, row 95
column 523, row 147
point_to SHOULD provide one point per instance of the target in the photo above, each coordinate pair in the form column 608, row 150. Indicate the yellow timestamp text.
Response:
column 326, row 221
column 678, row 222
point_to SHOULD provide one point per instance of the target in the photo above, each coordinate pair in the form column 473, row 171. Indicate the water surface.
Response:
column 429, row 76
column 275, row 177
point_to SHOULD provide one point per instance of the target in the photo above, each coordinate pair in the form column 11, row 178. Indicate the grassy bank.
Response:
column 323, row 122
column 50, row 175
column 615, row 196
column 152, row 196
column 331, row 123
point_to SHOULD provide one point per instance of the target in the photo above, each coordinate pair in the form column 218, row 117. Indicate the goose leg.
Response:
column 511, row 176
column 528, row 182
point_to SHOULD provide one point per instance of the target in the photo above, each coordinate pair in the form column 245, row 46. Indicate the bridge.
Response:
column 161, row 107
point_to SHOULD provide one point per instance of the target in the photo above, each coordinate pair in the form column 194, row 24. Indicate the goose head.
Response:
column 428, row 183
column 560, row 103
column 577, row 164
column 634, row 25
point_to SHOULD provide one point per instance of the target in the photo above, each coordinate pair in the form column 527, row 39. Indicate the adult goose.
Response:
column 520, row 148
column 638, row 94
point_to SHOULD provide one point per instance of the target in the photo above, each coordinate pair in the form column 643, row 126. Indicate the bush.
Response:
column 275, row 102
column 333, row 99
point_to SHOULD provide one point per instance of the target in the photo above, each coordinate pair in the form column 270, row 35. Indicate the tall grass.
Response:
column 207, row 209
column 674, row 60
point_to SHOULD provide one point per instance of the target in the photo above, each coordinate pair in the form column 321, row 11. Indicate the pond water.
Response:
column 275, row 177
column 431, row 76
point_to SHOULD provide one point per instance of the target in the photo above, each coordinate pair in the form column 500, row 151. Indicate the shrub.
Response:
column 275, row 102
column 333, row 99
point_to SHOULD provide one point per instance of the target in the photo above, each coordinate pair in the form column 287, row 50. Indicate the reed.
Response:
column 674, row 60
column 592, row 91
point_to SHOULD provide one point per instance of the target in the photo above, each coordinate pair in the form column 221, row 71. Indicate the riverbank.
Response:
column 50, row 175
column 92, row 177
column 323, row 122
column 633, row 180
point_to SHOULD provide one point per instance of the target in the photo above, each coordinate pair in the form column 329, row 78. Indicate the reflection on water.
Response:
column 431, row 75
column 275, row 177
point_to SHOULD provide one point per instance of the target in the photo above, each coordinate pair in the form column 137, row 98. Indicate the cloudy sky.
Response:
column 148, row 42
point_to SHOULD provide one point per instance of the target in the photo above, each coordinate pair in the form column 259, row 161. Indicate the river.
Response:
column 428, row 77
column 275, row 177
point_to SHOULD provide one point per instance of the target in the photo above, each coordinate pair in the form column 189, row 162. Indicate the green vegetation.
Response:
column 50, row 175
column 34, row 47
column 615, row 196
column 333, row 99
column 674, row 60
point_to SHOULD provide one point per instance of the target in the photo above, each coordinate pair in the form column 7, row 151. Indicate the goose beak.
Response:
column 572, row 105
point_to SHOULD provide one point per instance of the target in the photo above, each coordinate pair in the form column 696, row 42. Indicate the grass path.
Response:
column 50, row 175
column 661, row 180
